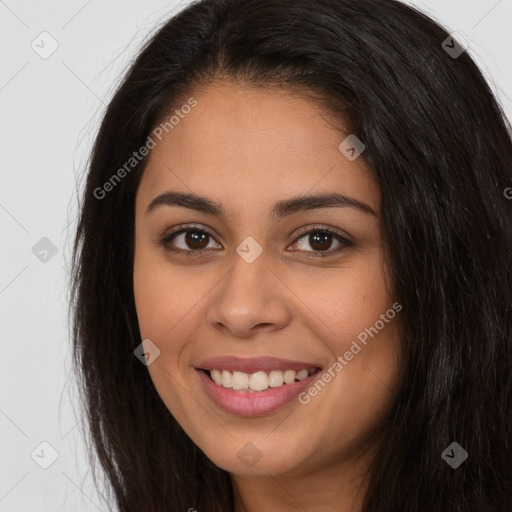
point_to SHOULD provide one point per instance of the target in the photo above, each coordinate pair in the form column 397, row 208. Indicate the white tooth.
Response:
column 240, row 380
column 301, row 374
column 216, row 376
column 258, row 381
column 289, row 376
column 275, row 378
column 226, row 379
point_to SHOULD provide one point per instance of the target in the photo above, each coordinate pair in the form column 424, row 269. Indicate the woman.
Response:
column 292, row 278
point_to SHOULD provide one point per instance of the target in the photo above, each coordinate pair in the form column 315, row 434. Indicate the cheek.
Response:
column 151, row 300
column 168, row 301
column 163, row 295
column 344, row 303
column 157, row 310
column 354, row 318
column 161, row 314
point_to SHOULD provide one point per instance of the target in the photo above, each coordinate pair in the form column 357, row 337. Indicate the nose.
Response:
column 249, row 299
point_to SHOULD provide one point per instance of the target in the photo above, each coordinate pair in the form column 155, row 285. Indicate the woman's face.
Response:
column 265, row 290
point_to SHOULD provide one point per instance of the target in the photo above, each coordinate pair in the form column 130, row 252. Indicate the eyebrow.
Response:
column 280, row 209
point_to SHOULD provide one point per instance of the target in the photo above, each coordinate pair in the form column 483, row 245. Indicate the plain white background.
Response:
column 50, row 110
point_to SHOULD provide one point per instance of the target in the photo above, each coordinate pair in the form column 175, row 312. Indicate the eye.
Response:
column 194, row 241
column 321, row 239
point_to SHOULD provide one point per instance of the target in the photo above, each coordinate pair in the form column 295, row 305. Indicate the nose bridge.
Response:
column 247, row 285
column 250, row 262
column 249, row 295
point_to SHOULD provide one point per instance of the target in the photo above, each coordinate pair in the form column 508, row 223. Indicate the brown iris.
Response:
column 318, row 241
column 196, row 237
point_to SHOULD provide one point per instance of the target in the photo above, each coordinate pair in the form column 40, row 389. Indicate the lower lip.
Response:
column 253, row 404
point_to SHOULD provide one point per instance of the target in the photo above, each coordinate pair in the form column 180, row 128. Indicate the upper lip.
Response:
column 253, row 364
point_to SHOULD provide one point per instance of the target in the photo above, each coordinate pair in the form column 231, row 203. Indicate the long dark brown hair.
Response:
column 439, row 147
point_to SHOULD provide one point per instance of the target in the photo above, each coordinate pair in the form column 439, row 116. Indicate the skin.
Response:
column 248, row 148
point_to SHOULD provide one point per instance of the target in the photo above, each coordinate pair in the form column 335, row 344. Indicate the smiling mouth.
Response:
column 258, row 381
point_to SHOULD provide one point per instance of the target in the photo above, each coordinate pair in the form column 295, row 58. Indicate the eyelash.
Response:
column 311, row 254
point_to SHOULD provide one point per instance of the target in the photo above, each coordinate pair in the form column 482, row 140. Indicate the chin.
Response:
column 256, row 460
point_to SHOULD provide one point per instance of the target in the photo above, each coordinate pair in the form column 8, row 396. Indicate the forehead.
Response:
column 250, row 146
